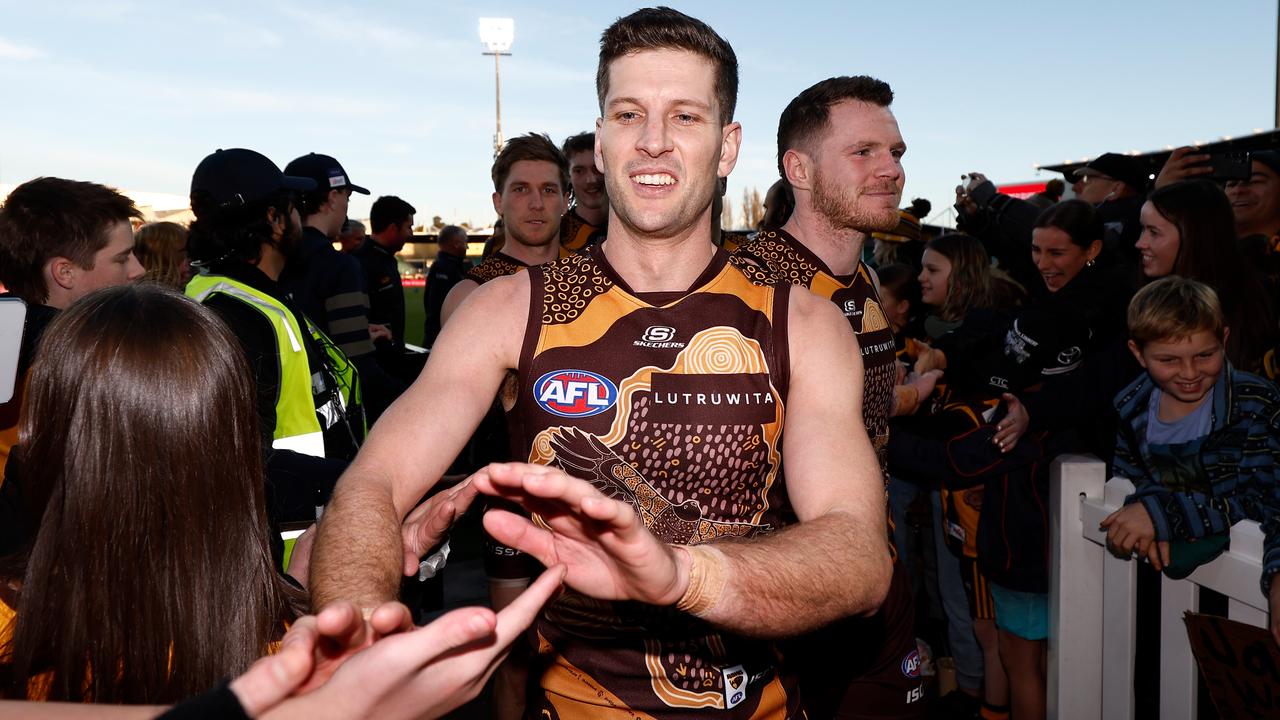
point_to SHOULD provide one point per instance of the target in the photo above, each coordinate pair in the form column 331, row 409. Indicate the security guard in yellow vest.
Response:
column 309, row 401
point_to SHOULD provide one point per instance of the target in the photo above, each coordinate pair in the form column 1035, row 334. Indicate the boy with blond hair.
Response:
column 1199, row 439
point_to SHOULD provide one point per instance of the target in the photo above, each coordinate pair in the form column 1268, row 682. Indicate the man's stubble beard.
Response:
column 841, row 210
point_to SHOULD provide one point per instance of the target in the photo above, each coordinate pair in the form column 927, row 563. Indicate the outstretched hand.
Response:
column 312, row 650
column 425, row 673
column 608, row 552
column 428, row 523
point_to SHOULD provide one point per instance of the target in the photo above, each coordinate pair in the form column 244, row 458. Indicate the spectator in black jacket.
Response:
column 1114, row 184
column 449, row 268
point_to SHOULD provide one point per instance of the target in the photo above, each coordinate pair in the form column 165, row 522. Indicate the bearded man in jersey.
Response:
column 840, row 150
column 654, row 384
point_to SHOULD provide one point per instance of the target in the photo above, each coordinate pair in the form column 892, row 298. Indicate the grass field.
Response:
column 413, row 315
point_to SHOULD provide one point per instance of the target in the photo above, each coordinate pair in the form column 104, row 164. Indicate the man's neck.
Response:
column 384, row 241
column 596, row 216
column 840, row 249
column 271, row 262
column 532, row 254
column 659, row 264
column 326, row 226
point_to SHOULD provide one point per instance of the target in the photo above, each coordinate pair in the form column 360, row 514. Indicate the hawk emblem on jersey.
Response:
column 584, row 456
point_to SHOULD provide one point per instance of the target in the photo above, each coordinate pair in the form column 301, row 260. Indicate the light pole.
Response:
column 497, row 34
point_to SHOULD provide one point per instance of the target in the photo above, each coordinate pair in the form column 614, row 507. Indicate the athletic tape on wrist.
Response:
column 707, row 575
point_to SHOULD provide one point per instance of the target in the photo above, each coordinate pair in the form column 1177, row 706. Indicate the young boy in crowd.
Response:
column 1199, row 439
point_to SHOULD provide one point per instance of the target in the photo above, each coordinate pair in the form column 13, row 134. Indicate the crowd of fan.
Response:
column 1031, row 313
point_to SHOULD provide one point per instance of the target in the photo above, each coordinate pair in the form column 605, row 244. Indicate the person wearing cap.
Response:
column 328, row 285
column 246, row 230
column 1114, row 184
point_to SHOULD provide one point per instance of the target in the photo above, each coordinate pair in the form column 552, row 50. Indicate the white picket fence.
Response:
column 1092, row 605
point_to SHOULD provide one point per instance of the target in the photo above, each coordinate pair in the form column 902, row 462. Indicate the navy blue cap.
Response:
column 1270, row 158
column 326, row 171
column 236, row 177
column 1125, row 168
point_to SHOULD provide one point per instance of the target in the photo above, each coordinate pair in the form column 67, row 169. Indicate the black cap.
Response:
column 237, row 177
column 1270, row 158
column 1125, row 168
column 326, row 171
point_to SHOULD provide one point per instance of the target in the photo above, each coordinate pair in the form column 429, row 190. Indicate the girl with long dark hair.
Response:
column 150, row 577
column 1188, row 230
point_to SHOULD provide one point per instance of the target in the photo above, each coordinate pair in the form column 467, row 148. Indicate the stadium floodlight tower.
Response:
column 497, row 34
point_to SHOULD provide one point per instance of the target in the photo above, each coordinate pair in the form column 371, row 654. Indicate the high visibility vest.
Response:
column 298, row 411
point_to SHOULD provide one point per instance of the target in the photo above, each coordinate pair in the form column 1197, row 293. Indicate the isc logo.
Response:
column 574, row 393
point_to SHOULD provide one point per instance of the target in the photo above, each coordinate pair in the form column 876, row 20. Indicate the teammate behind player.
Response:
column 530, row 192
column 840, row 151
column 584, row 224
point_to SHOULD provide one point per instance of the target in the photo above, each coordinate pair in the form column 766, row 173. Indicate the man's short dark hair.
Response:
column 528, row 147
column 575, row 144
column 662, row 28
column 51, row 217
column 389, row 210
column 809, row 114
column 235, row 234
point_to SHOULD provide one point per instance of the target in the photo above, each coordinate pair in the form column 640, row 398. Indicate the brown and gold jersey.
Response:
column 577, row 234
column 778, row 257
column 496, row 265
column 731, row 240
column 673, row 403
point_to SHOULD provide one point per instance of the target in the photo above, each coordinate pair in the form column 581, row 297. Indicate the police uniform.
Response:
column 673, row 403
column 878, row 673
column 446, row 271
column 386, row 291
column 309, row 397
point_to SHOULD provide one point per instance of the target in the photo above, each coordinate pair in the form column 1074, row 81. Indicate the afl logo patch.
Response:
column 911, row 664
column 574, row 393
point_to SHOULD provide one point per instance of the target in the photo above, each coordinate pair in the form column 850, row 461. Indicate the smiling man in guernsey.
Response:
column 688, row 551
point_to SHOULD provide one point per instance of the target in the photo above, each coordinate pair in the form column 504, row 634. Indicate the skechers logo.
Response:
column 851, row 309
column 658, row 336
column 574, row 393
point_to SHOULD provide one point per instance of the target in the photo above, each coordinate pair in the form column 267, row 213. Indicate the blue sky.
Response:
column 134, row 94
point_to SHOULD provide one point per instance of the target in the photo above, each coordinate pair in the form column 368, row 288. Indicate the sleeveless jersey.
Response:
column 784, row 259
column 673, row 403
column 577, row 234
column 496, row 265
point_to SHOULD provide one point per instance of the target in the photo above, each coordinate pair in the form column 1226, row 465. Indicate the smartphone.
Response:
column 1231, row 165
column 13, row 315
